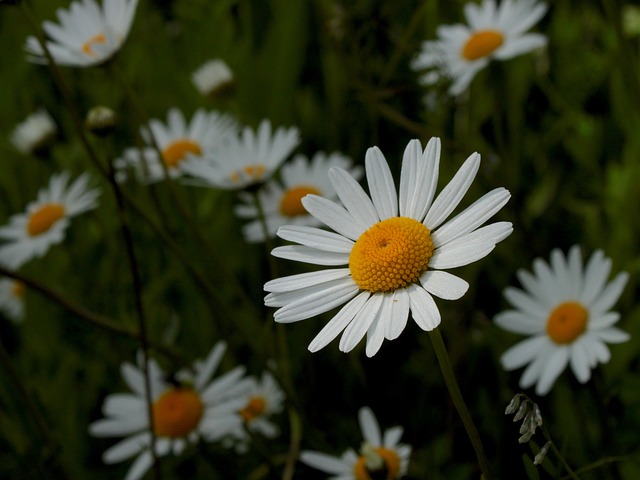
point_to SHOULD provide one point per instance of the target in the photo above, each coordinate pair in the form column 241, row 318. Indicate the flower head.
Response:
column 391, row 249
column 87, row 34
column 12, row 298
column 281, row 202
column 491, row 32
column 564, row 308
column 245, row 159
column 177, row 141
column 34, row 134
column 30, row 234
column 213, row 78
column 192, row 408
column 380, row 456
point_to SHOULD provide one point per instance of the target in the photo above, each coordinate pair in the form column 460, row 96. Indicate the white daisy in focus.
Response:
column 184, row 411
column 213, row 78
column 263, row 398
column 87, row 34
column 390, row 249
column 246, row 159
column 34, row 134
column 12, row 298
column 491, row 33
column 31, row 234
column 281, row 202
column 564, row 308
column 380, row 456
column 177, row 141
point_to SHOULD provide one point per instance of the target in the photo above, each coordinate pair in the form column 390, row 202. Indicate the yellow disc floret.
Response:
column 254, row 172
column 254, row 408
column 388, row 469
column 567, row 322
column 391, row 254
column 87, row 47
column 176, row 151
column 44, row 218
column 291, row 203
column 177, row 412
column 482, row 43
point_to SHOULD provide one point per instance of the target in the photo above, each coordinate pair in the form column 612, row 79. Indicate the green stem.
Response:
column 458, row 401
column 559, row 454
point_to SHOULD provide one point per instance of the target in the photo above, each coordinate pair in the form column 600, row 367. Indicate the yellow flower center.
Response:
column 254, row 172
column 389, row 468
column 254, row 408
column 391, row 254
column 177, row 412
column 17, row 289
column 87, row 47
column 178, row 150
column 481, row 44
column 291, row 203
column 567, row 322
column 43, row 219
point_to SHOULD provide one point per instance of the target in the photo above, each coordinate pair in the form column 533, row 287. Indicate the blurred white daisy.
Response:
column 35, row 133
column 380, row 456
column 12, row 298
column 213, row 78
column 491, row 33
column 190, row 408
column 263, row 398
column 281, row 202
column 393, row 248
column 177, row 141
column 565, row 311
column 30, row 234
column 87, row 34
column 245, row 159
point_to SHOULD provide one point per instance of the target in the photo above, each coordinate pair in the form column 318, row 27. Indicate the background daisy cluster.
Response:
column 555, row 118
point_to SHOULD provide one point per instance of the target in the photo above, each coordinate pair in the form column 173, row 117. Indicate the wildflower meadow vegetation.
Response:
column 323, row 239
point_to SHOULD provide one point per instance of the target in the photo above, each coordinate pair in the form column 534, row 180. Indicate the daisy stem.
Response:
column 559, row 454
column 458, row 401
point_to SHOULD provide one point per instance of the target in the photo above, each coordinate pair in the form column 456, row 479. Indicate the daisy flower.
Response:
column 390, row 249
column 12, row 298
column 564, row 308
column 87, row 34
column 34, row 134
column 281, row 202
column 213, row 78
column 190, row 408
column 492, row 32
column 177, row 141
column 262, row 399
column 245, row 159
column 30, row 234
column 380, row 456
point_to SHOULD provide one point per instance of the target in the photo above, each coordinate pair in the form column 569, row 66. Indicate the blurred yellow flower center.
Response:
column 389, row 468
column 177, row 412
column 391, row 254
column 254, row 172
column 17, row 289
column 43, row 219
column 481, row 44
column 87, row 47
column 178, row 150
column 567, row 322
column 291, row 203
column 255, row 408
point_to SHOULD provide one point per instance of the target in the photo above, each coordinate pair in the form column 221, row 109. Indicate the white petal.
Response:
column 339, row 322
column 523, row 352
column 518, row 322
column 443, row 284
column 324, row 462
column 304, row 280
column 126, row 448
column 205, row 370
column 419, row 178
column 392, row 437
column 524, row 302
column 334, row 216
column 610, row 294
column 141, row 465
column 579, row 361
column 423, row 308
column 316, row 238
column 595, row 276
column 381, row 186
column 301, row 253
column 370, row 427
column 555, row 364
column 358, row 327
column 353, row 196
column 399, row 314
column 612, row 335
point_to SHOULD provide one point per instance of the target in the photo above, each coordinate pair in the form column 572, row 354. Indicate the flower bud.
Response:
column 101, row 121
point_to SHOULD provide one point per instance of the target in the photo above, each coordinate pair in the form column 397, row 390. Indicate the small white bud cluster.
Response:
column 529, row 413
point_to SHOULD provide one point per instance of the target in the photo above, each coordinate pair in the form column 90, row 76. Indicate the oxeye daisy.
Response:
column 492, row 32
column 390, row 249
column 565, row 310
column 30, row 234
column 35, row 134
column 176, row 141
column 213, row 78
column 12, row 298
column 281, row 202
column 184, row 410
column 380, row 456
column 245, row 159
column 87, row 34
